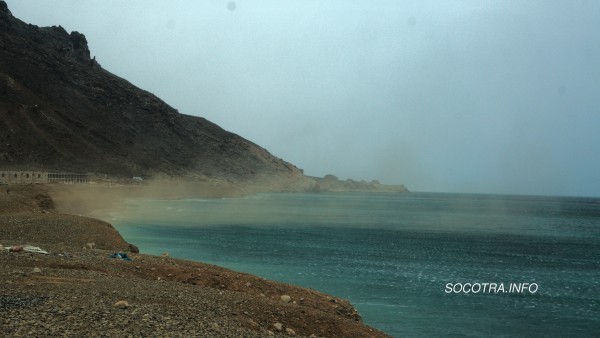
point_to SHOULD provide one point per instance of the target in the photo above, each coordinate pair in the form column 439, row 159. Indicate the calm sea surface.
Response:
column 393, row 255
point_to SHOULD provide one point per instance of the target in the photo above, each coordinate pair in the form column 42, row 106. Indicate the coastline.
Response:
column 75, row 289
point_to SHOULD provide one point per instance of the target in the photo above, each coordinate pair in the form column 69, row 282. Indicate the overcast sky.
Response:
column 453, row 96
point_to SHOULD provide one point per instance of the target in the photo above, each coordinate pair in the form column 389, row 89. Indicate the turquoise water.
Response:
column 392, row 255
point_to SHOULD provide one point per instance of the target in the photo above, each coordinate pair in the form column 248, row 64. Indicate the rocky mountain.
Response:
column 60, row 110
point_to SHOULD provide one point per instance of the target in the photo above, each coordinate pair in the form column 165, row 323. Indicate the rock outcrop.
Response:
column 331, row 183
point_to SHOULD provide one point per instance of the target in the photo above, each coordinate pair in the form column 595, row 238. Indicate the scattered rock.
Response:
column 278, row 326
column 121, row 304
column 165, row 254
column 286, row 298
column 290, row 331
column 91, row 245
column 252, row 323
column 37, row 270
column 270, row 333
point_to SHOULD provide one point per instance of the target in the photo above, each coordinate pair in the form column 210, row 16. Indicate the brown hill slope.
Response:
column 59, row 110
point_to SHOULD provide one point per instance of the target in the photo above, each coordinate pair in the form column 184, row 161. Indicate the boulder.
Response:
column 16, row 248
column 133, row 248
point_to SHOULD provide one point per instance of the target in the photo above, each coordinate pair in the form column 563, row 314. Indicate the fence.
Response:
column 68, row 178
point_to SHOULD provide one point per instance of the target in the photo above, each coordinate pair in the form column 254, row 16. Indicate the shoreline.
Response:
column 78, row 281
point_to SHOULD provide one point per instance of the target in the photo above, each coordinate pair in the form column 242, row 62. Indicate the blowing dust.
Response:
column 98, row 201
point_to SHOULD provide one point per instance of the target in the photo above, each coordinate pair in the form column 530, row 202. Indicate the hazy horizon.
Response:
column 444, row 96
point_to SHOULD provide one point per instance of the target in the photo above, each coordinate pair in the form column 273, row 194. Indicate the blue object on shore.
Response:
column 121, row 255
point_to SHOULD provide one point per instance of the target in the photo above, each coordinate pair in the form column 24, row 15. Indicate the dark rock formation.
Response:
column 81, row 52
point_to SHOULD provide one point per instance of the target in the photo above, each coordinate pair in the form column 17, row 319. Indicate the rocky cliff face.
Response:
column 60, row 110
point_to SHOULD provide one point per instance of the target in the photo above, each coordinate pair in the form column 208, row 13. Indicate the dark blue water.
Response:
column 393, row 255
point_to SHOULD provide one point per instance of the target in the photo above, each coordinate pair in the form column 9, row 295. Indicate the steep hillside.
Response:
column 59, row 110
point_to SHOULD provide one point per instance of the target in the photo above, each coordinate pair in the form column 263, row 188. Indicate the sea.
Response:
column 412, row 264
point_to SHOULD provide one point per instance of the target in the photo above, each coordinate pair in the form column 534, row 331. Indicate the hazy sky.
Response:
column 457, row 96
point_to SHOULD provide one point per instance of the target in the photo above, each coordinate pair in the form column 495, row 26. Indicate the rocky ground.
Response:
column 77, row 289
